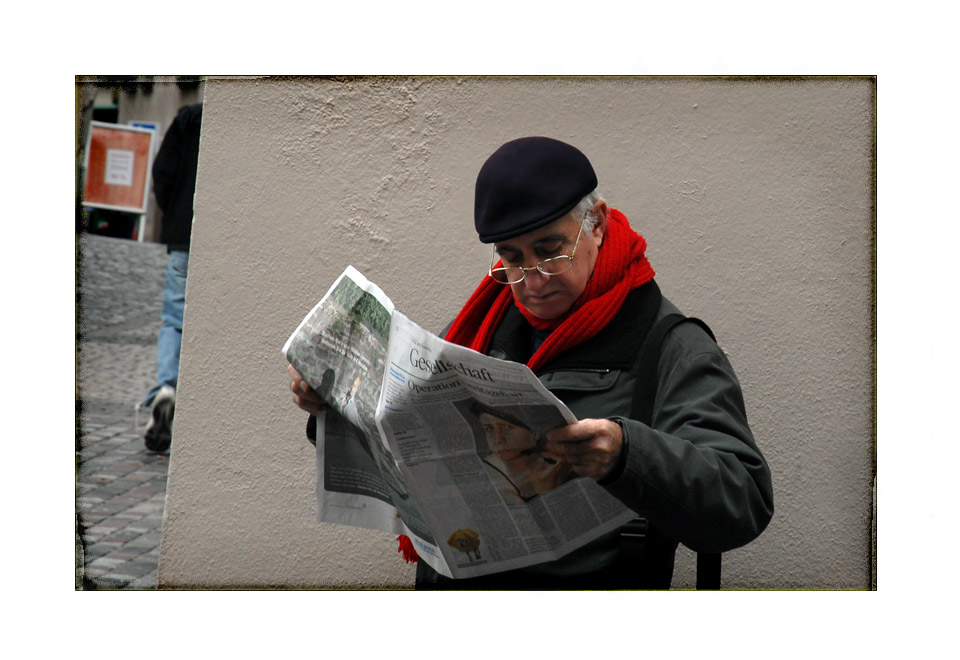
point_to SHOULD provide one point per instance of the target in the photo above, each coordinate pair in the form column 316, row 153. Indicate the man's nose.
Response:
column 535, row 280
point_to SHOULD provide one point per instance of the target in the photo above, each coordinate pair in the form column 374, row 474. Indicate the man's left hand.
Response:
column 591, row 446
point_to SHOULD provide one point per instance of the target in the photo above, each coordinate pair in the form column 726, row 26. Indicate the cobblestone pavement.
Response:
column 120, row 485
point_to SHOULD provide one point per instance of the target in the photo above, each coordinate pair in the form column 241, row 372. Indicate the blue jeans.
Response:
column 168, row 341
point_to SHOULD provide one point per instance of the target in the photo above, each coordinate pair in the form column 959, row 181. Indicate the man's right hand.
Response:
column 304, row 395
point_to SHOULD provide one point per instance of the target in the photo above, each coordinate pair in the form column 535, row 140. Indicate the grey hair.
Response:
column 585, row 209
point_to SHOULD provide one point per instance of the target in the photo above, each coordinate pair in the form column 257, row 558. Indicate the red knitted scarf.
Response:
column 621, row 267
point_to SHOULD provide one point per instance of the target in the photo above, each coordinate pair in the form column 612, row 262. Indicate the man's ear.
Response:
column 599, row 211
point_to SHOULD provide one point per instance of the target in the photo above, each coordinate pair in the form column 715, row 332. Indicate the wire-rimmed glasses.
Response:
column 552, row 266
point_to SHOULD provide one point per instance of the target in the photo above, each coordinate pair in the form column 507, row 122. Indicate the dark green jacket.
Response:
column 694, row 472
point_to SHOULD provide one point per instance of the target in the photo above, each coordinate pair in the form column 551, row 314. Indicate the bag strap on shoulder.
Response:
column 645, row 370
column 646, row 365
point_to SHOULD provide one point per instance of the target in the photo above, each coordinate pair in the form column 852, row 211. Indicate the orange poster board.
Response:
column 118, row 161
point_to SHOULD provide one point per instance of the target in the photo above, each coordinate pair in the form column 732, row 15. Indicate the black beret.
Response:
column 528, row 183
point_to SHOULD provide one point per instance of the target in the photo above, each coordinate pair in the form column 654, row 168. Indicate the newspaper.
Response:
column 439, row 442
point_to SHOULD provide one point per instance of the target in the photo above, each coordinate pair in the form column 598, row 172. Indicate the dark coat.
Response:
column 175, row 177
column 693, row 472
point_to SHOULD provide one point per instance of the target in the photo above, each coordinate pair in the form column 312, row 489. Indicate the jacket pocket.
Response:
column 592, row 393
column 581, row 380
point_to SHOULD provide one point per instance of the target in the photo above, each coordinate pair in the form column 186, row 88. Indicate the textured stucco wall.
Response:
column 755, row 198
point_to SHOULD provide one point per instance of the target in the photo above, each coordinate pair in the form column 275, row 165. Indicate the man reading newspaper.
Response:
column 570, row 292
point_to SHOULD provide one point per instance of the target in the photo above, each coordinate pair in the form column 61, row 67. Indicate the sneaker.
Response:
column 157, row 435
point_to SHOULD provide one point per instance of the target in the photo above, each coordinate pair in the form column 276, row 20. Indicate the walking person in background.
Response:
column 174, row 183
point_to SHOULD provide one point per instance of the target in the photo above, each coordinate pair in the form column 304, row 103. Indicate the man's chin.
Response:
column 547, row 309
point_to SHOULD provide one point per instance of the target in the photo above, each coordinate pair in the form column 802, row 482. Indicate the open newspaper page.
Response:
column 340, row 349
column 465, row 429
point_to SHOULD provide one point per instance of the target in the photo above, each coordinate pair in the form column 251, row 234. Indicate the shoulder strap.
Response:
column 645, row 368
column 708, row 564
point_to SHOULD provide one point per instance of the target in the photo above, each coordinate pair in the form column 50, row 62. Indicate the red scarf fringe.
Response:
column 621, row 266
column 406, row 549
